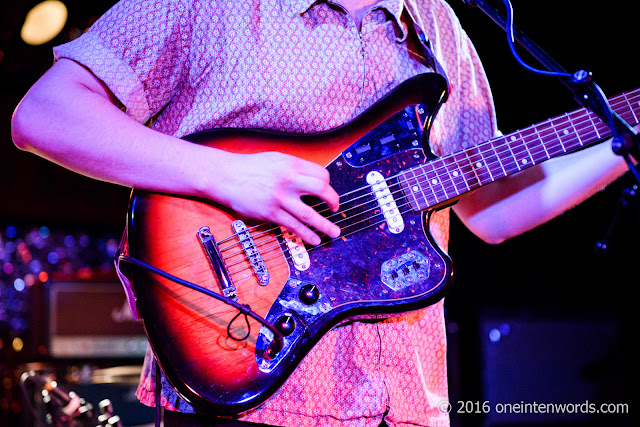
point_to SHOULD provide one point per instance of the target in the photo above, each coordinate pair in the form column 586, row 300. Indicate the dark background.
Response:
column 566, row 311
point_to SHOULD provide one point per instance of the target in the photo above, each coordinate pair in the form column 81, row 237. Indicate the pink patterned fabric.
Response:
column 301, row 66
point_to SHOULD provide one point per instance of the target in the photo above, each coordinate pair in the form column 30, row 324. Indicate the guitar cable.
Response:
column 243, row 309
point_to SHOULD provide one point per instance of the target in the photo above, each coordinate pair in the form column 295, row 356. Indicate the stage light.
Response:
column 17, row 344
column 44, row 22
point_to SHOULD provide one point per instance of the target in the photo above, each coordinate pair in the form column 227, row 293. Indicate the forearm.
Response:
column 69, row 118
column 85, row 132
column 530, row 198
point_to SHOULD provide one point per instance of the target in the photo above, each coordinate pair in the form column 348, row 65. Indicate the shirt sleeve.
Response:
column 468, row 117
column 139, row 49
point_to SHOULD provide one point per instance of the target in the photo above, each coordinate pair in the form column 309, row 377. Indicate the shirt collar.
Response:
column 299, row 7
column 394, row 7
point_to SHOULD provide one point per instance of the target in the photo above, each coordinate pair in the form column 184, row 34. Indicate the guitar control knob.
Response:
column 309, row 294
column 285, row 324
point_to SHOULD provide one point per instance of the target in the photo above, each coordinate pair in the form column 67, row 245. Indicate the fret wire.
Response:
column 515, row 159
column 425, row 197
column 631, row 99
column 522, row 142
column 495, row 153
column 530, row 137
column 593, row 124
column 554, row 144
column 540, row 133
column 629, row 108
column 585, row 128
column 450, row 174
column 567, row 129
column 436, row 181
column 462, row 160
column 448, row 179
column 408, row 187
column 491, row 154
column 590, row 129
column 628, row 115
column 576, row 132
column 486, row 165
column 417, row 187
column 516, row 145
column 564, row 133
column 629, row 103
column 460, row 172
column 506, row 157
column 424, row 173
column 540, row 143
column 474, row 164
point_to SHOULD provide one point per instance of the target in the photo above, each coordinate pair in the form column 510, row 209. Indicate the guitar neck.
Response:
column 451, row 176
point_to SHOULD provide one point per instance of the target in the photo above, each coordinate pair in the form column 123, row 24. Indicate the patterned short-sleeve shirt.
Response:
column 302, row 66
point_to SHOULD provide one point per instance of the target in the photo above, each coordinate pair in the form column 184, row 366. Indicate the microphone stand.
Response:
column 625, row 142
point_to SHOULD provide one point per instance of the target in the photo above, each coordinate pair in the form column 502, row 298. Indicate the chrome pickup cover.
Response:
column 385, row 199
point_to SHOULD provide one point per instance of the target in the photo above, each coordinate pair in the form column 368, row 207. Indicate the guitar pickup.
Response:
column 299, row 254
column 386, row 202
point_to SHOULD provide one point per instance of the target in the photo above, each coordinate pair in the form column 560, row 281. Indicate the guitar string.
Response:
column 341, row 214
column 276, row 244
column 344, row 235
column 283, row 257
column 264, row 223
column 582, row 116
column 448, row 185
column 267, row 241
column 323, row 205
column 351, row 225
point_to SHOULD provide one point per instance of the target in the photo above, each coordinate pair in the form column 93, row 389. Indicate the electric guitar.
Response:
column 384, row 262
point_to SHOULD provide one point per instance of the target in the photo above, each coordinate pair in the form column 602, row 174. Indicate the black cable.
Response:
column 278, row 339
column 512, row 47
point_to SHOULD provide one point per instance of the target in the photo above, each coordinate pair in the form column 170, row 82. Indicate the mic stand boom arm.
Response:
column 625, row 141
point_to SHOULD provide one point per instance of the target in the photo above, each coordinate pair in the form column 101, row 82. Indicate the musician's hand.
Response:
column 268, row 186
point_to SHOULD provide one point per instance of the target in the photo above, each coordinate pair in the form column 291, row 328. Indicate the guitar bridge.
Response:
column 211, row 250
column 252, row 252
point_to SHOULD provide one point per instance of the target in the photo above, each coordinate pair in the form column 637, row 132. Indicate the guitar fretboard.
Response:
column 450, row 176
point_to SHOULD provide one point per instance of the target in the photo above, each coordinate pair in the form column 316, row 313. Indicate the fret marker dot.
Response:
column 566, row 131
column 524, row 161
column 434, row 181
column 513, row 137
column 479, row 164
column 415, row 188
column 455, row 173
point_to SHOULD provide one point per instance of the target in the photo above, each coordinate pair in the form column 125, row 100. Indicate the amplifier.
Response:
column 92, row 320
